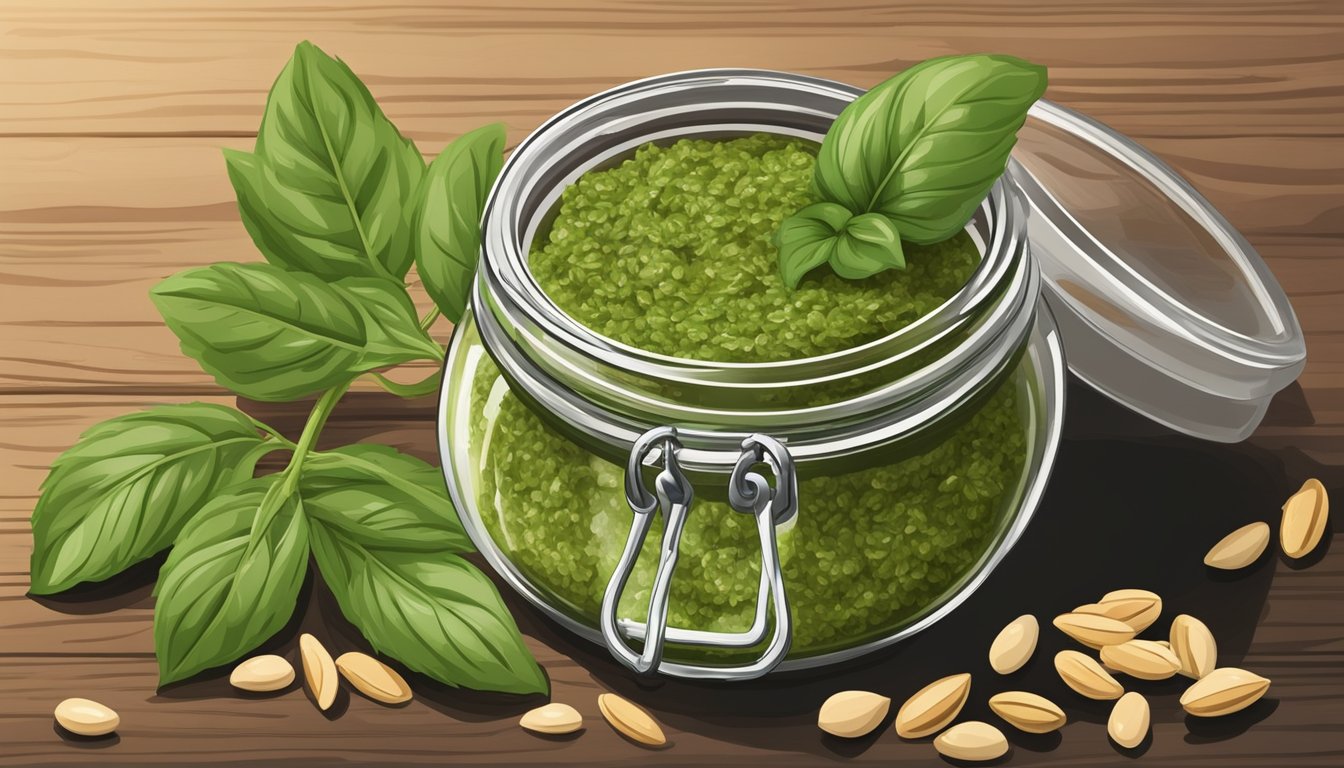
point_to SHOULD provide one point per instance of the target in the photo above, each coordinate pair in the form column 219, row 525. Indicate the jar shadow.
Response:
column 1138, row 508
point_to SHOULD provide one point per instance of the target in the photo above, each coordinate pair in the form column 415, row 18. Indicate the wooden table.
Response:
column 112, row 116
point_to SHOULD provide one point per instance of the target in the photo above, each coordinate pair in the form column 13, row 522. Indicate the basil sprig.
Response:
column 910, row 159
column 340, row 205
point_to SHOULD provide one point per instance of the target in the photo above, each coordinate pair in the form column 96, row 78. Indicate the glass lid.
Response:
column 1161, row 305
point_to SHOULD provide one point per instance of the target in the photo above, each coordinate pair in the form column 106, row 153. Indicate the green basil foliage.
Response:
column 271, row 334
column 447, row 223
column 329, row 197
column 125, row 490
column 855, row 246
column 326, row 189
column 391, row 557
column 396, row 574
column 437, row 615
column 232, row 578
column 910, row 159
column 393, row 333
column 383, row 497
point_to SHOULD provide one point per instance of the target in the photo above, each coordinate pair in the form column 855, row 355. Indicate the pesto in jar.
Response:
column 672, row 252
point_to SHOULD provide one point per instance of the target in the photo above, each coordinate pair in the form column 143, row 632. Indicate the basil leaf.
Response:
column 263, row 332
column 382, row 497
column 232, row 579
column 869, row 244
column 855, row 246
column 284, row 226
column 394, row 334
column 326, row 190
column 446, row 226
column 925, row 146
column 124, row 491
column 274, row 335
column 437, row 614
column 807, row 239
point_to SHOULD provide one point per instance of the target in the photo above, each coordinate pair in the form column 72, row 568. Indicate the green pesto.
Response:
column 672, row 252
column 869, row 551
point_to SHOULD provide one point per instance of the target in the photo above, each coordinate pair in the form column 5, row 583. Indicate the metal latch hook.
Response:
column 748, row 492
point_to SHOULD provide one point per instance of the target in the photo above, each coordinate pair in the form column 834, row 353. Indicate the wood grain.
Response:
column 164, row 728
column 112, row 115
column 202, row 68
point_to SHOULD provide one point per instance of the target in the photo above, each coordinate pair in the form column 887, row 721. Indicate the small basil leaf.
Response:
column 926, row 145
column 808, row 238
column 382, row 497
column 130, row 484
column 446, row 226
column 232, row 578
column 263, row 332
column 868, row 245
column 394, row 334
column 437, row 614
column 326, row 191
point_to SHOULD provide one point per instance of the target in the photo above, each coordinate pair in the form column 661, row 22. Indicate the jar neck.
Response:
column 604, row 394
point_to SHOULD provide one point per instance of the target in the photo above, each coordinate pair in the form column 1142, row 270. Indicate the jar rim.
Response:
column 539, row 345
column 507, row 245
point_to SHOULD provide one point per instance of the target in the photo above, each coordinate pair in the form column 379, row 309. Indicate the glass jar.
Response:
column 721, row 520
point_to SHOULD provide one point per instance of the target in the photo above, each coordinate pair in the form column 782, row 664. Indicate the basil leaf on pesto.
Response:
column 868, row 245
column 855, row 246
column 807, row 240
column 921, row 149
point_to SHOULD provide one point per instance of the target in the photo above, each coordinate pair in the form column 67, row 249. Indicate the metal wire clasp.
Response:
column 748, row 492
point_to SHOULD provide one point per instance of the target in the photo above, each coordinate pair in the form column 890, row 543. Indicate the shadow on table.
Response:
column 132, row 588
column 1130, row 505
column 85, row 742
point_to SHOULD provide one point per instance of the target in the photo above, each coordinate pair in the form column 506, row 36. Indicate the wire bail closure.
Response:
column 749, row 492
